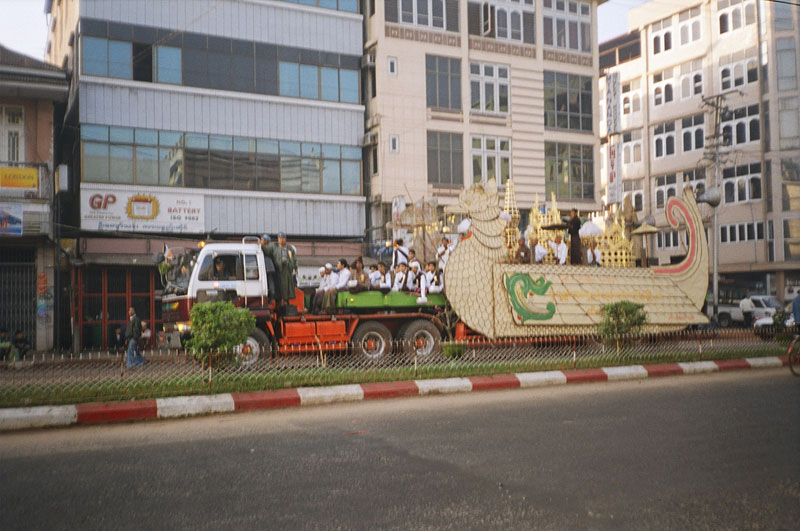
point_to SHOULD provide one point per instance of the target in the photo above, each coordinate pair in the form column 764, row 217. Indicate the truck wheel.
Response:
column 724, row 320
column 248, row 353
column 372, row 340
column 421, row 337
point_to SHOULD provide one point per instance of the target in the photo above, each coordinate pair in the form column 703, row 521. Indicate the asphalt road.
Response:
column 698, row 452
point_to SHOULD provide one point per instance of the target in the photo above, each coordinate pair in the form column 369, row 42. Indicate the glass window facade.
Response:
column 567, row 101
column 169, row 158
column 443, row 82
column 569, row 171
column 445, row 159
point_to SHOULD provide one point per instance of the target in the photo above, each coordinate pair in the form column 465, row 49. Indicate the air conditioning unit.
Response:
column 370, row 139
column 368, row 60
column 373, row 121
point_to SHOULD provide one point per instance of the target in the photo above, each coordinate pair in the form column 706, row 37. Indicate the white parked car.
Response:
column 731, row 314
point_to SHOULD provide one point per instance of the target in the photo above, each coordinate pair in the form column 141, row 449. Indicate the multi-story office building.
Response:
column 682, row 64
column 30, row 93
column 463, row 92
column 189, row 118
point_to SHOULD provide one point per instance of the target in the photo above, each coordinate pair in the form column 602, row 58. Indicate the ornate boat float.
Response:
column 500, row 299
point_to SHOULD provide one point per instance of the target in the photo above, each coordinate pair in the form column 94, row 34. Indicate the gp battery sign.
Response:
column 121, row 209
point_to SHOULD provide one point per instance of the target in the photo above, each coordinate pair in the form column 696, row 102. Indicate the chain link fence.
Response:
column 103, row 376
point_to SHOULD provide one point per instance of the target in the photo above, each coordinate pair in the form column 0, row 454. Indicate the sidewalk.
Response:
column 99, row 413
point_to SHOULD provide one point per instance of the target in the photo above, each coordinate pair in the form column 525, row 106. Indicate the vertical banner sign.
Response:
column 612, row 103
column 614, row 194
column 398, row 206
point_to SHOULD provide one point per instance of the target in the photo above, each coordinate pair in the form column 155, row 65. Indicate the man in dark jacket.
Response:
column 574, row 227
column 132, row 335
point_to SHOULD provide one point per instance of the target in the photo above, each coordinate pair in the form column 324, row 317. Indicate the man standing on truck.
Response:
column 574, row 227
column 269, row 266
column 747, row 307
column 284, row 256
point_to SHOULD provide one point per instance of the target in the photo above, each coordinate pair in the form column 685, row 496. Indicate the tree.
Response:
column 218, row 327
column 621, row 319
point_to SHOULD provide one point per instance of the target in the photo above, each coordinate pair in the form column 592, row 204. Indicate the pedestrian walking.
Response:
column 132, row 335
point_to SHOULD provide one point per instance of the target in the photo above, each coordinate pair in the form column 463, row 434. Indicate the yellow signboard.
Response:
column 19, row 177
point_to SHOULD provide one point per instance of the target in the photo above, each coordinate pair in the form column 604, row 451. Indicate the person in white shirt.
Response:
column 433, row 279
column 374, row 277
column 399, row 255
column 593, row 254
column 385, row 278
column 316, row 301
column 443, row 252
column 747, row 307
column 400, row 278
column 560, row 250
column 412, row 259
column 539, row 252
column 338, row 283
column 414, row 277
column 344, row 274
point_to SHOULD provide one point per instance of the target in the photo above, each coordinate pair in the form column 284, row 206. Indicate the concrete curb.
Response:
column 97, row 413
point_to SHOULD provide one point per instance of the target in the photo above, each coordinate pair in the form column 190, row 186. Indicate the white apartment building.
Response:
column 678, row 57
column 462, row 92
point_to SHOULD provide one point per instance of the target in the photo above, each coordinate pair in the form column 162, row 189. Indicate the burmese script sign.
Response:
column 107, row 208
column 19, row 178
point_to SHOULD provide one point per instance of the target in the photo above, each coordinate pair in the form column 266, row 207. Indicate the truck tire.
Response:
column 252, row 349
column 372, row 340
column 421, row 338
column 724, row 320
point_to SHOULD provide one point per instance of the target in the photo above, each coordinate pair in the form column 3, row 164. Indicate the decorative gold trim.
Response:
column 502, row 47
column 566, row 57
column 411, row 33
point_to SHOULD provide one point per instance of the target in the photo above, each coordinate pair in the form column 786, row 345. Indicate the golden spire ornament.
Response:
column 512, row 229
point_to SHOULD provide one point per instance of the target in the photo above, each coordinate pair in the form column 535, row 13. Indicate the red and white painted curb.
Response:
column 187, row 406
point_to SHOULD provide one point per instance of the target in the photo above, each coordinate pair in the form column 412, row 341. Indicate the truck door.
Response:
column 253, row 284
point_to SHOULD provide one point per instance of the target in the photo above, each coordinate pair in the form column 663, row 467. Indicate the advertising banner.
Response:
column 115, row 209
column 19, row 178
column 10, row 219
column 612, row 103
column 614, row 194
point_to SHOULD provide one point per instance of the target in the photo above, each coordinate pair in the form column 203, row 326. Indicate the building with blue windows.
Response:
column 190, row 118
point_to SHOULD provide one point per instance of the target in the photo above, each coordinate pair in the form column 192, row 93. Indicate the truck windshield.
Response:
column 772, row 302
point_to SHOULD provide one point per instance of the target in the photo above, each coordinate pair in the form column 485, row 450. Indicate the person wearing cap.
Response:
column 284, row 256
column 412, row 259
column 316, row 301
column 269, row 266
column 412, row 276
column 342, row 278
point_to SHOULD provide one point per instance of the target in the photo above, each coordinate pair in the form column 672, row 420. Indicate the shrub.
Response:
column 218, row 327
column 620, row 319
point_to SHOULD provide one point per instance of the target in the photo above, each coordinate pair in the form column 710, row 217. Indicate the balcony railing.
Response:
column 25, row 180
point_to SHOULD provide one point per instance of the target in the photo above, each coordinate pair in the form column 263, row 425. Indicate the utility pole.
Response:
column 714, row 141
